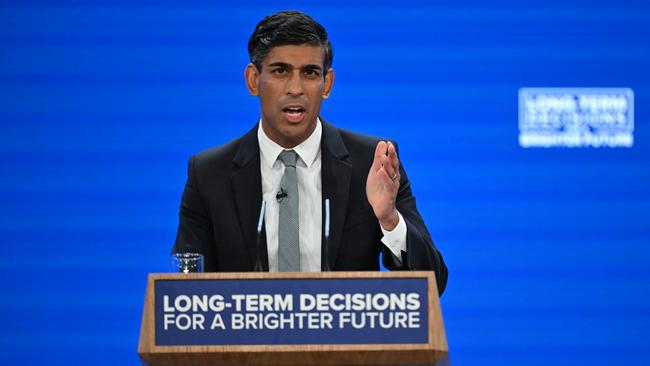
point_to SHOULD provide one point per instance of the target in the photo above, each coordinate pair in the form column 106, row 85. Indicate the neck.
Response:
column 287, row 142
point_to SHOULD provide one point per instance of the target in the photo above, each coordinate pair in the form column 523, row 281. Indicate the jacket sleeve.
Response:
column 195, row 232
column 421, row 254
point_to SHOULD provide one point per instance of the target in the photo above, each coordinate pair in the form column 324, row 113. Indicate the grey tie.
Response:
column 288, row 239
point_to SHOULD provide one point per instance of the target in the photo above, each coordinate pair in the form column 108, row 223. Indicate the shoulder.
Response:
column 216, row 158
column 239, row 150
column 355, row 143
column 355, row 148
column 358, row 140
column 213, row 166
column 225, row 152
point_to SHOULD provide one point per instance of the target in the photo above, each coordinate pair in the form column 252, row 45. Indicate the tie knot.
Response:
column 288, row 157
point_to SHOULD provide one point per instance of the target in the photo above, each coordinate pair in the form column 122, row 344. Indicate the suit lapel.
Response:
column 336, row 172
column 246, row 181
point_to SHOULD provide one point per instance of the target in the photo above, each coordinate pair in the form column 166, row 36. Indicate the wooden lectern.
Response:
column 310, row 348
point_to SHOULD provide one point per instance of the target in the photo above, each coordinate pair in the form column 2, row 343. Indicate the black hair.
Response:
column 289, row 27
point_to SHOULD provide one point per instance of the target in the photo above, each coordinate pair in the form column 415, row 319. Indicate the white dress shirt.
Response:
column 310, row 201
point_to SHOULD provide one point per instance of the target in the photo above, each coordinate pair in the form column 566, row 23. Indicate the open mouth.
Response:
column 294, row 113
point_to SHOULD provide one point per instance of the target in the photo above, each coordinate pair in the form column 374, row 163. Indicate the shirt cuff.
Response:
column 395, row 240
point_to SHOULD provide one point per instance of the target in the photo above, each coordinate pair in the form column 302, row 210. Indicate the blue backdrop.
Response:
column 102, row 102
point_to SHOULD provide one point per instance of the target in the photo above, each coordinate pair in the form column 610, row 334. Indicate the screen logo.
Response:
column 576, row 117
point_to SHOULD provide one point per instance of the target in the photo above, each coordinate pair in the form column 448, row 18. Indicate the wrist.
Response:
column 390, row 222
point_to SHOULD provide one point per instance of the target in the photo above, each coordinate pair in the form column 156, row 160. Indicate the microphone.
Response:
column 258, row 239
column 326, row 244
column 281, row 195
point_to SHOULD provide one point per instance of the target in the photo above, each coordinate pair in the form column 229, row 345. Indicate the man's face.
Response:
column 291, row 88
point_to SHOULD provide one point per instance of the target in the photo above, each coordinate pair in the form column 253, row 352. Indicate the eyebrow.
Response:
column 289, row 66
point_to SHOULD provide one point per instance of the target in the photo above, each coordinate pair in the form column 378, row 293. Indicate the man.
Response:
column 306, row 171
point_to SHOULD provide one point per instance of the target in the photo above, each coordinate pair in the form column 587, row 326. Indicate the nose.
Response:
column 294, row 84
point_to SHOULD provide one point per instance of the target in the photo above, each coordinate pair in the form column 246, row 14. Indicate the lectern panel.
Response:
column 291, row 311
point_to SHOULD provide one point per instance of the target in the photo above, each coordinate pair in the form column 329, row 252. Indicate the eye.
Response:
column 311, row 73
column 279, row 71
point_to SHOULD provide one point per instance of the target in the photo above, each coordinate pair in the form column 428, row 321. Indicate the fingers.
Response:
column 391, row 163
column 386, row 159
column 380, row 151
column 387, row 168
column 394, row 161
column 392, row 154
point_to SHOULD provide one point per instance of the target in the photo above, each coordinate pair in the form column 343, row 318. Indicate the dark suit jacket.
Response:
column 223, row 194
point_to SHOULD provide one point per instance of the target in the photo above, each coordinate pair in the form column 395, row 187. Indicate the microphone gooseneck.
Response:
column 326, row 244
column 258, row 239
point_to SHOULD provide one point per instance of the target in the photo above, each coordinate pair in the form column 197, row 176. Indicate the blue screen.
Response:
column 102, row 103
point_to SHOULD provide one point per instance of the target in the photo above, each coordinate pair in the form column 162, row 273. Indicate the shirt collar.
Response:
column 307, row 150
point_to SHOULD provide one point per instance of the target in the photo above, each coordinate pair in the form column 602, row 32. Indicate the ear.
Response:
column 252, row 77
column 329, row 82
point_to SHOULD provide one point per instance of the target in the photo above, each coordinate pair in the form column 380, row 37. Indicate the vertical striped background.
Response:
column 102, row 102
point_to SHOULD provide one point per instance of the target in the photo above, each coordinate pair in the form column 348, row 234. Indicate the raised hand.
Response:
column 383, row 183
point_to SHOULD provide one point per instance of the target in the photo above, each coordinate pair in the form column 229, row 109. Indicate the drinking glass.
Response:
column 186, row 263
